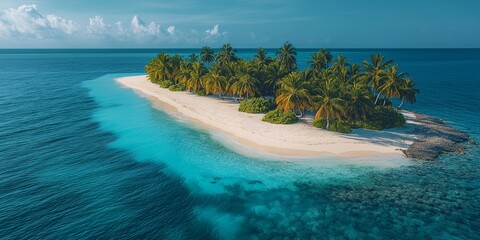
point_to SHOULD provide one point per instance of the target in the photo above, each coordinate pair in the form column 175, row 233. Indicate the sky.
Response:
column 243, row 23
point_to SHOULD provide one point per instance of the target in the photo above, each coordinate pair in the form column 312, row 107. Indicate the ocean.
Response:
column 84, row 158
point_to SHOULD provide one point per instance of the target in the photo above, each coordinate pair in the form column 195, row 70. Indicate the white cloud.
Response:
column 26, row 22
column 142, row 30
column 212, row 34
column 119, row 30
column 171, row 30
column 214, row 31
column 97, row 26
column 67, row 26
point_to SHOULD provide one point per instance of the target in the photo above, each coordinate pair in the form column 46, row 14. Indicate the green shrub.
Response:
column 382, row 118
column 177, row 87
column 256, row 105
column 201, row 92
column 340, row 126
column 152, row 79
column 280, row 117
column 367, row 124
column 165, row 83
column 320, row 122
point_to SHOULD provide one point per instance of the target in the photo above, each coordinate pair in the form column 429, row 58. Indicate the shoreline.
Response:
column 247, row 134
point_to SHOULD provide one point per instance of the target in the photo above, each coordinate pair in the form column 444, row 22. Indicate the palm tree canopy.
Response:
column 273, row 74
column 374, row 70
column 215, row 82
column 330, row 103
column 207, row 55
column 226, row 54
column 360, row 103
column 330, row 107
column 262, row 58
column 340, row 62
column 184, row 72
column 293, row 93
column 320, row 60
column 160, row 68
column 408, row 91
column 393, row 79
column 195, row 81
column 286, row 56
column 193, row 57
column 245, row 85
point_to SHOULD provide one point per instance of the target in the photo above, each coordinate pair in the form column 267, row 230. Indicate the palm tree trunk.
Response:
column 301, row 112
column 399, row 106
column 328, row 122
column 376, row 100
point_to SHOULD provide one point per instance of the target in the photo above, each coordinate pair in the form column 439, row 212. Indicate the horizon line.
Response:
column 251, row 48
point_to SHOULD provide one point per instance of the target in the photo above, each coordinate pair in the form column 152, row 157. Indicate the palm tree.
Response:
column 293, row 94
column 193, row 57
column 195, row 80
column 374, row 71
column 408, row 92
column 355, row 76
column 226, row 54
column 342, row 75
column 215, row 82
column 273, row 74
column 320, row 60
column 159, row 68
column 340, row 62
column 261, row 58
column 243, row 67
column 175, row 63
column 229, row 70
column 360, row 103
column 207, row 55
column 244, row 85
column 258, row 70
column 184, row 72
column 354, row 72
column 151, row 70
column 330, row 104
column 286, row 56
column 391, row 87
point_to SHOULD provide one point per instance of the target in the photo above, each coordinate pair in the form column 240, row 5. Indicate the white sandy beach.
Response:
column 295, row 140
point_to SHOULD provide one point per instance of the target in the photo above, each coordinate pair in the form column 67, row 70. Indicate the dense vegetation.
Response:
column 340, row 94
column 279, row 116
column 335, row 125
column 256, row 105
column 381, row 118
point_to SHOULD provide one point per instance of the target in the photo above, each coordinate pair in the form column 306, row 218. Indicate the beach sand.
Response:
column 248, row 134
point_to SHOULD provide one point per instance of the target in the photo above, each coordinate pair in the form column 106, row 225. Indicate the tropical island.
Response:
column 333, row 107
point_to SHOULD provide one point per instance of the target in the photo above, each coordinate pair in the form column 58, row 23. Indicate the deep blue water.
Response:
column 81, row 157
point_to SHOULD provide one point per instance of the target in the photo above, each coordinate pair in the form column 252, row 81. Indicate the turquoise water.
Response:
column 83, row 157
